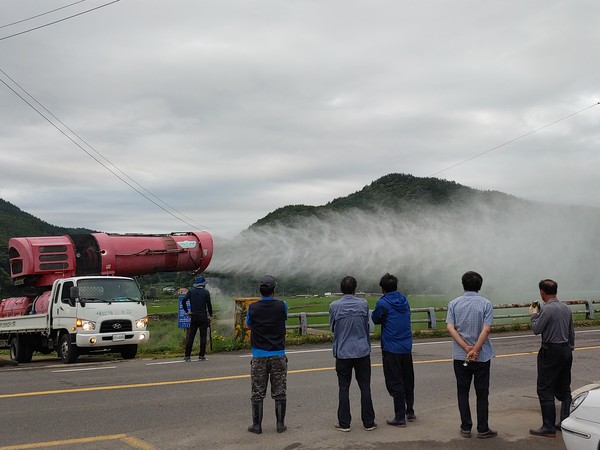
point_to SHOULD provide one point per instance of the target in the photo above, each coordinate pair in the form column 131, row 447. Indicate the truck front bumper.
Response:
column 101, row 340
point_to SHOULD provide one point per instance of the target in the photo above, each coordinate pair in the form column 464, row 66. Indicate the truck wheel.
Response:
column 129, row 351
column 21, row 350
column 68, row 351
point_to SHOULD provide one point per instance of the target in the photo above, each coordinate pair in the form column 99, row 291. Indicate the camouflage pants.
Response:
column 261, row 369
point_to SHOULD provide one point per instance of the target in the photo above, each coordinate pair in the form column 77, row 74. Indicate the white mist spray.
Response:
column 512, row 243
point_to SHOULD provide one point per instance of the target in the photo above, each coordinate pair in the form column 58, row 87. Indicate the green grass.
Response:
column 166, row 339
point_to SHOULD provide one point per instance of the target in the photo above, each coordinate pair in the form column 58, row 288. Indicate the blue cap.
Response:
column 200, row 280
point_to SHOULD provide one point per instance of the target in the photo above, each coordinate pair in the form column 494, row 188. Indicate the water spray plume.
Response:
column 512, row 243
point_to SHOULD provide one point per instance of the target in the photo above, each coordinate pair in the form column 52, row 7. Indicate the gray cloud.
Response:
column 228, row 110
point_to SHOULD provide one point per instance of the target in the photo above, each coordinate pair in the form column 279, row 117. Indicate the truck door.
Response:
column 65, row 309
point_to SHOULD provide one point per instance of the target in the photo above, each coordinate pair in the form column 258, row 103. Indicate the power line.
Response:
column 40, row 15
column 514, row 140
column 97, row 152
column 60, row 20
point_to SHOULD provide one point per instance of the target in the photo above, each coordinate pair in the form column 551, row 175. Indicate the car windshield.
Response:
column 109, row 290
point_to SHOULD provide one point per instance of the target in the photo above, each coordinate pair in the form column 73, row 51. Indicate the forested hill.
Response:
column 396, row 192
column 15, row 222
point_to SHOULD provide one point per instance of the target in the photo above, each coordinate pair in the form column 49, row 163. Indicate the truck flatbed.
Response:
column 24, row 324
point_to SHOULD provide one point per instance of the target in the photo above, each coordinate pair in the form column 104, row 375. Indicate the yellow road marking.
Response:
column 229, row 377
column 138, row 443
column 132, row 441
column 123, row 386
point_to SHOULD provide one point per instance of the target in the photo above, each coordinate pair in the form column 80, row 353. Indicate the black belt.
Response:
column 555, row 344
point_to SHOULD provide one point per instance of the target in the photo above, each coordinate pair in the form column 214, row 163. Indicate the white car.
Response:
column 581, row 430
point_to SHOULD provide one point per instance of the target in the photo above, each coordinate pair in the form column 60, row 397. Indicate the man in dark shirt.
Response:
column 555, row 357
column 266, row 319
column 201, row 313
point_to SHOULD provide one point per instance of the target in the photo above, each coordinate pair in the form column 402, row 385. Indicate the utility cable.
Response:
column 40, row 15
column 514, row 140
column 92, row 156
column 57, row 21
column 197, row 225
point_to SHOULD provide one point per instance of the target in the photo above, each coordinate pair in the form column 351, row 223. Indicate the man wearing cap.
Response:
column 200, row 313
column 266, row 319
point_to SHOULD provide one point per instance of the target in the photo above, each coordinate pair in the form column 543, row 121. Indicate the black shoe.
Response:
column 187, row 359
column 201, row 358
column 411, row 417
column 543, row 432
column 341, row 428
column 488, row 434
column 396, row 423
column 371, row 428
column 255, row 429
column 465, row 433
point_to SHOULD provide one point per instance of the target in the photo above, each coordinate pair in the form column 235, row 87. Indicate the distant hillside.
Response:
column 427, row 232
column 396, row 192
column 14, row 223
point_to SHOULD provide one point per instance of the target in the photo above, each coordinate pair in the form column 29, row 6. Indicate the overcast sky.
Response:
column 227, row 110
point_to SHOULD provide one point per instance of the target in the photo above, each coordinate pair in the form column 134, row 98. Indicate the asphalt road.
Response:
column 100, row 403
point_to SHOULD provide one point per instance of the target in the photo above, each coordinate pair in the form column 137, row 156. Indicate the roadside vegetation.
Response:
column 167, row 340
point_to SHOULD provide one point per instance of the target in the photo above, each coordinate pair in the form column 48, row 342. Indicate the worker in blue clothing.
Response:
column 200, row 313
column 392, row 311
column 266, row 319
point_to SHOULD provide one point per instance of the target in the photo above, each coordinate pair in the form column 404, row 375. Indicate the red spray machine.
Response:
column 81, row 297
column 39, row 261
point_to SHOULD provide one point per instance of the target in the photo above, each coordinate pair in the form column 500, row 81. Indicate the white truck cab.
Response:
column 98, row 312
column 79, row 315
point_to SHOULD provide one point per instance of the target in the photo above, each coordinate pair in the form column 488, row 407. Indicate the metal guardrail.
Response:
column 431, row 320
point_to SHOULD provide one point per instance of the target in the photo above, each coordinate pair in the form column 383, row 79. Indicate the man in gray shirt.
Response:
column 555, row 357
column 349, row 322
column 469, row 322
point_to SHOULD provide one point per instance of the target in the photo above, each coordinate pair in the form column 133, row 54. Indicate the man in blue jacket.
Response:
column 201, row 312
column 392, row 311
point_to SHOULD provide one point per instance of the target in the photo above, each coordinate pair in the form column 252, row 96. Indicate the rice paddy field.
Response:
column 507, row 311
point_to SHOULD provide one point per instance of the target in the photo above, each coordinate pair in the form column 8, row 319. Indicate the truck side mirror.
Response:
column 74, row 295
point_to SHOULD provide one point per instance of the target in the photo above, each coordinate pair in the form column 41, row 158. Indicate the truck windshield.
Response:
column 109, row 290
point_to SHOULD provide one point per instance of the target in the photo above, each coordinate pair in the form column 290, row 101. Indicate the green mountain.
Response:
column 426, row 231
column 396, row 192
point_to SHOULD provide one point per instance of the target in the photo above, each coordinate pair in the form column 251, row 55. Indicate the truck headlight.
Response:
column 86, row 325
column 141, row 323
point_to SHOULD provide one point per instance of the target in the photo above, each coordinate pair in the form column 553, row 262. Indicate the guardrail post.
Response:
column 303, row 324
column 589, row 314
column 432, row 321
